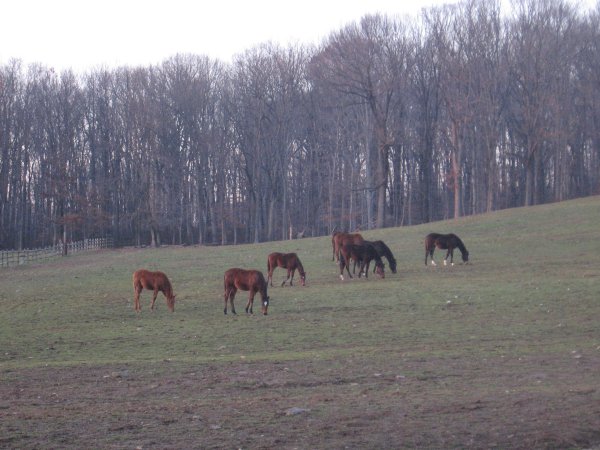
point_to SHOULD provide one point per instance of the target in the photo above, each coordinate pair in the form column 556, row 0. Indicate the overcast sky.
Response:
column 84, row 34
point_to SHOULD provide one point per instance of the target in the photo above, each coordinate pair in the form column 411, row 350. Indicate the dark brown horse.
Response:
column 289, row 261
column 340, row 239
column 152, row 281
column 252, row 281
column 363, row 255
column 444, row 242
column 384, row 250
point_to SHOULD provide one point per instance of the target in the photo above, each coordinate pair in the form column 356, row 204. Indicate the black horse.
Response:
column 363, row 255
column 445, row 242
column 384, row 250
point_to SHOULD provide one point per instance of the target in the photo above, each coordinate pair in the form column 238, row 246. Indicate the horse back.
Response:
column 433, row 240
column 285, row 260
column 245, row 280
column 146, row 278
column 291, row 261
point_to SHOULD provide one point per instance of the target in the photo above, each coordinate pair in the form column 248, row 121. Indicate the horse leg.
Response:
column 290, row 276
column 347, row 264
column 136, row 300
column 343, row 263
column 225, row 299
column 446, row 258
column 270, row 276
column 250, row 301
column 364, row 268
column 154, row 299
column 230, row 295
column 451, row 256
column 431, row 257
column 231, row 298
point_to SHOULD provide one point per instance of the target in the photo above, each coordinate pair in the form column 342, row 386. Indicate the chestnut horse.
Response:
column 384, row 250
column 444, row 242
column 362, row 254
column 152, row 281
column 289, row 261
column 245, row 280
column 340, row 239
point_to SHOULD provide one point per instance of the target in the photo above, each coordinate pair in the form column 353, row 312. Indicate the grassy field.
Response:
column 500, row 353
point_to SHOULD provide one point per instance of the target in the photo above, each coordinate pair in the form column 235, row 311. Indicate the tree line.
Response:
column 389, row 121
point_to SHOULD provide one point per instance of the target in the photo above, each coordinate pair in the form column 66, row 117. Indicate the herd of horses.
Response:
column 346, row 247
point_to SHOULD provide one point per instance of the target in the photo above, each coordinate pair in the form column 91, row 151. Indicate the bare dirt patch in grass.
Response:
column 380, row 402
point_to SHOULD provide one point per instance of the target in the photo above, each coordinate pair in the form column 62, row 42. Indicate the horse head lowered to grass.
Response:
column 152, row 281
column 339, row 239
column 384, row 251
column 362, row 255
column 445, row 242
column 252, row 281
column 288, row 261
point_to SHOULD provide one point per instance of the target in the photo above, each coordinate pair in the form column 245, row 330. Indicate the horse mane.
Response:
column 300, row 267
column 167, row 285
column 387, row 253
column 460, row 245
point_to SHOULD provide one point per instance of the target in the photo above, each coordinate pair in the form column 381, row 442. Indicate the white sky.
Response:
column 86, row 34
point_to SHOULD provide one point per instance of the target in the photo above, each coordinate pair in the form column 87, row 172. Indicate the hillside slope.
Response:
column 502, row 352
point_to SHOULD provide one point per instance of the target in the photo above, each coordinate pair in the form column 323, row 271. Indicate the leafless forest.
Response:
column 389, row 121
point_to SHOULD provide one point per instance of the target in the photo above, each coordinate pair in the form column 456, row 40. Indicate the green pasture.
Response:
column 532, row 271
column 531, row 291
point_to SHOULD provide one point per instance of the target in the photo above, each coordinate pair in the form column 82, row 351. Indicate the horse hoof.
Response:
column 342, row 277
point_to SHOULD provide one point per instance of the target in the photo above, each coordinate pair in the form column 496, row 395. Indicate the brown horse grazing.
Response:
column 384, row 250
column 245, row 280
column 340, row 239
column 444, row 242
column 152, row 281
column 362, row 254
column 289, row 261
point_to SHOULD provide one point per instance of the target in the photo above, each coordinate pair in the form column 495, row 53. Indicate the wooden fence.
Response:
column 11, row 258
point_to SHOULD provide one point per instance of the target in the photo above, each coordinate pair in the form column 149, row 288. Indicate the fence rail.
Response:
column 11, row 258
